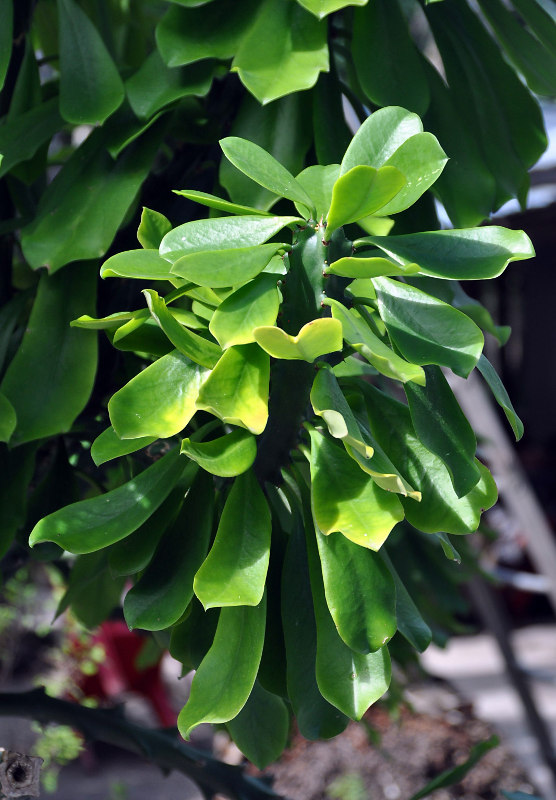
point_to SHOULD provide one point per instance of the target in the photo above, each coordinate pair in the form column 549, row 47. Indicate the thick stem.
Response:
column 162, row 748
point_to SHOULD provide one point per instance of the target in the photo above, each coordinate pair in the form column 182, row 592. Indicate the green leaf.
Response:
column 108, row 445
column 374, row 267
column 282, row 129
column 81, row 210
column 8, row 418
column 316, row 338
column 219, row 268
column 361, row 191
column 254, row 305
column 90, row 86
column 440, row 508
column 152, row 229
column 154, row 85
column 500, row 395
column 236, row 391
column 222, row 233
column 456, row 774
column 283, row 51
column 409, row 621
column 21, row 137
column 345, row 499
column 318, row 182
column 443, row 428
column 161, row 595
column 200, row 350
column 212, row 201
column 348, row 680
column 471, row 254
column 321, row 8
column 61, row 361
column 262, row 727
column 381, row 37
column 329, row 403
column 92, row 592
column 185, row 35
column 17, row 467
column 264, row 169
column 316, row 718
column 226, row 675
column 141, row 264
column 378, row 138
column 10, row 313
column 234, row 572
column 360, row 593
column 100, row 521
column 109, row 323
column 6, row 38
column 426, row 330
column 357, row 333
column 159, row 401
column 226, row 456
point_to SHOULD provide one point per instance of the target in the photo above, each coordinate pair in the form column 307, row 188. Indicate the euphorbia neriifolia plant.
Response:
column 295, row 369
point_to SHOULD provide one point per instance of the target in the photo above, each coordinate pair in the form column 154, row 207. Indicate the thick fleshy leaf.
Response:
column 283, row 51
column 108, row 445
column 264, row 169
column 21, row 137
column 152, row 228
column 90, row 86
column 361, row 191
column 345, row 499
column 471, row 254
column 212, row 201
column 234, row 572
column 316, row 338
column 349, row 680
column 226, row 675
column 52, row 373
column 160, row 400
column 214, row 30
column 253, row 305
column 6, row 37
column 236, row 391
column 102, row 520
column 282, row 129
column 155, row 85
column 164, row 591
column 378, row 138
column 381, row 37
column 81, row 210
column 421, row 160
column 109, row 323
column 426, row 330
column 374, row 267
column 198, row 349
column 316, row 718
column 440, row 508
column 500, row 395
column 410, row 623
column 226, row 456
column 360, row 593
column 219, row 268
column 318, row 182
column 262, row 727
column 443, row 428
column 221, row 233
column 146, row 265
column 357, row 333
column 329, row 403
column 8, row 418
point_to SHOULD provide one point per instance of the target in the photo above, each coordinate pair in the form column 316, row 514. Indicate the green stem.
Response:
column 162, row 748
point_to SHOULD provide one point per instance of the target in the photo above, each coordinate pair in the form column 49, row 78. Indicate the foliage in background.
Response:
column 109, row 106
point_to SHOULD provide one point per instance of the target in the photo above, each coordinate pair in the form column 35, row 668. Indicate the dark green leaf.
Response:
column 21, row 137
column 100, row 521
column 90, row 86
column 261, row 728
column 6, row 37
column 16, row 468
column 92, row 592
column 500, row 395
column 108, row 445
column 226, row 675
column 61, row 361
column 409, row 621
column 456, row 774
column 8, row 419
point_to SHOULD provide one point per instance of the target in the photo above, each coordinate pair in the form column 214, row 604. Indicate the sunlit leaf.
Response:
column 315, row 339
column 226, row 456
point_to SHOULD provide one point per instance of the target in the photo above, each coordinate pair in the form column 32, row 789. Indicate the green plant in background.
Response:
column 57, row 745
column 235, row 395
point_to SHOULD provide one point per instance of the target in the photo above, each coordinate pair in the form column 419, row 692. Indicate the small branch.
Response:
column 162, row 748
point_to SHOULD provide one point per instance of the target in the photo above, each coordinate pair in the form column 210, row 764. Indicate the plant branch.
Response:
column 161, row 747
